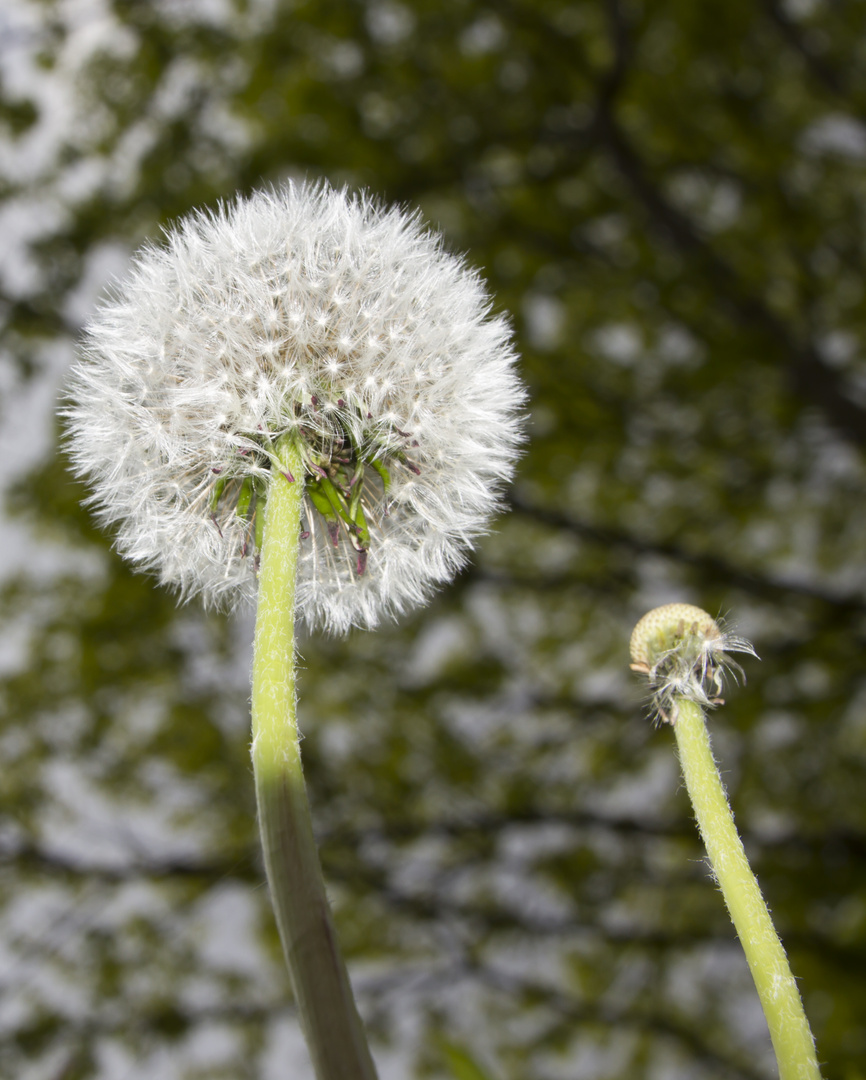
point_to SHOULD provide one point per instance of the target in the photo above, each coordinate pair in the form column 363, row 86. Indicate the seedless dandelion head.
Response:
column 315, row 315
column 683, row 652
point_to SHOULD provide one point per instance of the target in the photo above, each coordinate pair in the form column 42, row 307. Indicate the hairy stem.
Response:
column 780, row 999
column 333, row 1030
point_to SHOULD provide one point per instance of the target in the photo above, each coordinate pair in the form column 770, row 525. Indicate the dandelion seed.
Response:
column 283, row 281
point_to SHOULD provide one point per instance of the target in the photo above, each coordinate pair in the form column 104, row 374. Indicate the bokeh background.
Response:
column 670, row 199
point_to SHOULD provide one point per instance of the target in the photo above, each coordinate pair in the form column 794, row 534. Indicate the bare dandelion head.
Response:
column 684, row 653
column 316, row 315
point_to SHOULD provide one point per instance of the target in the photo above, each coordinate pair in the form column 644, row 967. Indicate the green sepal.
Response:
column 245, row 498
column 382, row 471
column 320, row 500
column 357, row 486
column 361, row 541
column 259, row 517
column 358, row 528
column 216, row 494
column 333, row 497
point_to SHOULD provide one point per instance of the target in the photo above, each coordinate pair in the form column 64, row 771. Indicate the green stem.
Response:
column 333, row 1030
column 780, row 999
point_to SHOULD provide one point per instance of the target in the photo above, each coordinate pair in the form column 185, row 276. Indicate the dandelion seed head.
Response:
column 684, row 653
column 314, row 314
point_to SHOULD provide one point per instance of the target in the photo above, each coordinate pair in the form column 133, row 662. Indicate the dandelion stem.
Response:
column 329, row 1018
column 777, row 990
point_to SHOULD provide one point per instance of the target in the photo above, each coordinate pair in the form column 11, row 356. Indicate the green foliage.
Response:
column 670, row 202
column 462, row 1064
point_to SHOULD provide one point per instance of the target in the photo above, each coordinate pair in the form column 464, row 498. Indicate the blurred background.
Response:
column 670, row 199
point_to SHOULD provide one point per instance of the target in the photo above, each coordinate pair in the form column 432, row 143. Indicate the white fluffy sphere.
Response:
column 314, row 314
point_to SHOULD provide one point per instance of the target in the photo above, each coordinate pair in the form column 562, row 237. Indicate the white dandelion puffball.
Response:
column 309, row 314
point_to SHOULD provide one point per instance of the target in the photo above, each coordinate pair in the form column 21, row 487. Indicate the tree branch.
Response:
column 809, row 377
column 710, row 566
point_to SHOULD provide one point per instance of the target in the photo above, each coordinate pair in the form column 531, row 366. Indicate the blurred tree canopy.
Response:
column 670, row 198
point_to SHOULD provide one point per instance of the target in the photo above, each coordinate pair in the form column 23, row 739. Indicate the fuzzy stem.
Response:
column 329, row 1019
column 777, row 990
